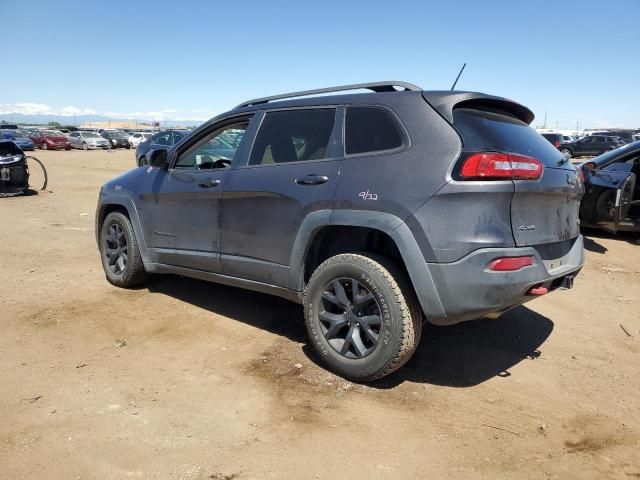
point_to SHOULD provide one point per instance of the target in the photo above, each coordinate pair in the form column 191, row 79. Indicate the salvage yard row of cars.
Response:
column 54, row 139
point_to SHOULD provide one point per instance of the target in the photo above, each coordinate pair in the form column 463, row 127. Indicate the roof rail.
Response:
column 373, row 86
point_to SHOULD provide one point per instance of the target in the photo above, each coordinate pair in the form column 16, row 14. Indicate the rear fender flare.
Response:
column 393, row 226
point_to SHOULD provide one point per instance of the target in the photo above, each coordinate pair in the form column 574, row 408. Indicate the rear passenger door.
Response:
column 291, row 172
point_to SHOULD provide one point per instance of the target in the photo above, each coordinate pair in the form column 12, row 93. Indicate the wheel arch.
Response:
column 125, row 206
column 327, row 233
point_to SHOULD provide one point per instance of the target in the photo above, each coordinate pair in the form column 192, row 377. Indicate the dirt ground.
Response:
column 190, row 380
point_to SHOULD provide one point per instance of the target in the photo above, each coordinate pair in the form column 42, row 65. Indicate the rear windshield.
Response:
column 483, row 131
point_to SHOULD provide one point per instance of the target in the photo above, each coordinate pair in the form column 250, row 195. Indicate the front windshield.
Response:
column 602, row 160
column 52, row 133
column 91, row 135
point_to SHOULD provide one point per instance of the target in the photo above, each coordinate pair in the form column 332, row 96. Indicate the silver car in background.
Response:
column 88, row 140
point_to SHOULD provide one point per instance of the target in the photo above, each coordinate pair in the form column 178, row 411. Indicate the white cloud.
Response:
column 31, row 108
column 168, row 114
column 68, row 111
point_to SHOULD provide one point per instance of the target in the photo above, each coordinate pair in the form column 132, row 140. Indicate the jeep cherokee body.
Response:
column 372, row 209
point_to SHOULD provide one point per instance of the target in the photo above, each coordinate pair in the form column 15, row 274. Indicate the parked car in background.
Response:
column 88, row 140
column 351, row 205
column 161, row 140
column 136, row 137
column 50, row 140
column 612, row 198
column 590, row 146
column 116, row 138
column 14, row 174
column 556, row 139
column 20, row 138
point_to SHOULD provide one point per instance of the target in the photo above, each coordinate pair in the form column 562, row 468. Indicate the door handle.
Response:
column 210, row 182
column 312, row 179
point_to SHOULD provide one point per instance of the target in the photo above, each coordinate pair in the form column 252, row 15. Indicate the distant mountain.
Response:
column 79, row 119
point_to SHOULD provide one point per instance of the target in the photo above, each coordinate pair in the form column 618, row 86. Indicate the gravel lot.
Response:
column 185, row 379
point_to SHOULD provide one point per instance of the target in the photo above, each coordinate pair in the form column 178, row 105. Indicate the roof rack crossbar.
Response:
column 373, row 86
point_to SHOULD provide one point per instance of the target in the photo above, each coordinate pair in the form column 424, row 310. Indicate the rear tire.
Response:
column 121, row 259
column 45, row 146
column 85, row 146
column 362, row 316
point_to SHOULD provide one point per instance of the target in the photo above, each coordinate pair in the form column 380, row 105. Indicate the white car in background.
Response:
column 136, row 137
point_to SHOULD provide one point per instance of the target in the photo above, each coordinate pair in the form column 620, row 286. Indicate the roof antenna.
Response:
column 458, row 77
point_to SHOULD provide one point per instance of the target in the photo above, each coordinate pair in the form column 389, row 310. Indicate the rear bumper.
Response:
column 468, row 290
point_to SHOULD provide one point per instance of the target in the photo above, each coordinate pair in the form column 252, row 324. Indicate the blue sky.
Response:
column 578, row 60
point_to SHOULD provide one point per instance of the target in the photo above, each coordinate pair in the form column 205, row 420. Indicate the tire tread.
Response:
column 406, row 302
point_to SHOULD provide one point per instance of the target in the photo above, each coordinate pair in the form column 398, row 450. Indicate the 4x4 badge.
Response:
column 526, row 228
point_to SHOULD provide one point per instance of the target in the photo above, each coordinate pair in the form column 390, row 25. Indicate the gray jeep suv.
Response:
column 377, row 211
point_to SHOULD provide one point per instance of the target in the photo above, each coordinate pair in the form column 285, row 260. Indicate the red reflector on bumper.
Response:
column 509, row 264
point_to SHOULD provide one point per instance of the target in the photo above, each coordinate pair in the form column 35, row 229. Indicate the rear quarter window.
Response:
column 496, row 131
column 370, row 129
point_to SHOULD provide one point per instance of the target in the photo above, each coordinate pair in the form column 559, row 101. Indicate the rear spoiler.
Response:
column 446, row 101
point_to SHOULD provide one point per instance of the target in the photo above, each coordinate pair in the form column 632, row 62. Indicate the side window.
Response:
column 213, row 151
column 370, row 130
column 163, row 139
column 293, row 135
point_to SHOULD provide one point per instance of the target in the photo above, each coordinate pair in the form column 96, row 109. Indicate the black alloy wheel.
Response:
column 350, row 318
column 116, row 249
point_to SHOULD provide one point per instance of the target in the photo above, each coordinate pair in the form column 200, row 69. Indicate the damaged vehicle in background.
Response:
column 14, row 173
column 612, row 198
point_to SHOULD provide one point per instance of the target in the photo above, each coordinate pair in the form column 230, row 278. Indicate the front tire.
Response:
column 85, row 147
column 362, row 316
column 121, row 259
column 566, row 152
column 45, row 146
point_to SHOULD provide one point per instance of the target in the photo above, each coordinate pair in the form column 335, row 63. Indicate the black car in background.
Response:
column 14, row 175
column 612, row 192
column 590, row 146
column 161, row 140
column 116, row 139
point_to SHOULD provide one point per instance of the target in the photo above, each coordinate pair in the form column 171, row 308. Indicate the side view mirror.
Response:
column 158, row 158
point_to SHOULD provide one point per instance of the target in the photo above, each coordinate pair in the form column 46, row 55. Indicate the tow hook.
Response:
column 538, row 291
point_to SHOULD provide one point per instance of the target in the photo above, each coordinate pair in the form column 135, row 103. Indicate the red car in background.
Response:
column 50, row 139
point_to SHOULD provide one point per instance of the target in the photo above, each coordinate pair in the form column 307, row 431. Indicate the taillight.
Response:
column 556, row 144
column 500, row 166
column 510, row 264
column 580, row 175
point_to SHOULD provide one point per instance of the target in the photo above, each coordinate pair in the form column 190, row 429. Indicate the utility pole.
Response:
column 545, row 120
